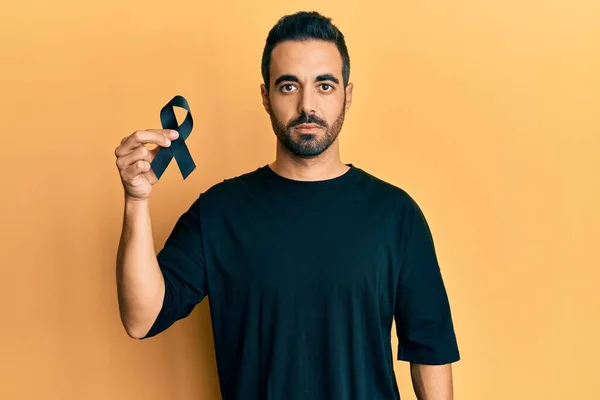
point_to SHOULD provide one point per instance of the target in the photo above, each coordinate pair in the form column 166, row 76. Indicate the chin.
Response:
column 306, row 137
column 307, row 151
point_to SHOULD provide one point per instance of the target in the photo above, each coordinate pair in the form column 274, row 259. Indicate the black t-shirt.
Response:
column 304, row 279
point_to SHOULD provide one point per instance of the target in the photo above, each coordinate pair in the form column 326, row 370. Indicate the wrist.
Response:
column 132, row 203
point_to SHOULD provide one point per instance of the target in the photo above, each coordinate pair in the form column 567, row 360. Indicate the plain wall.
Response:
column 486, row 112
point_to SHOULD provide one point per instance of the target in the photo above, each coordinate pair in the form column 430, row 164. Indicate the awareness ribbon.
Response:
column 178, row 148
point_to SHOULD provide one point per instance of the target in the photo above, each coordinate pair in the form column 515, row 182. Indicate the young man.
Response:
column 307, row 260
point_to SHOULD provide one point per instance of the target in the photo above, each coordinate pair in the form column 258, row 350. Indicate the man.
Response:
column 307, row 260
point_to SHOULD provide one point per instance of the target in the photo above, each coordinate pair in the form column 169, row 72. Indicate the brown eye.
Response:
column 327, row 87
column 288, row 86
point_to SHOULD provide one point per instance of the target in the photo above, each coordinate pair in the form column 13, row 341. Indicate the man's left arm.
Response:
column 432, row 382
column 424, row 325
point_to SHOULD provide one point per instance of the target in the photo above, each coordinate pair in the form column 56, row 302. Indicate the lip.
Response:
column 308, row 127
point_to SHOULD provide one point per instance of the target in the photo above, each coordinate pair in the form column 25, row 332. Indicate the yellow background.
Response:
column 485, row 111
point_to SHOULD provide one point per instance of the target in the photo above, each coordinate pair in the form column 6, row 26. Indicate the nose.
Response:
column 306, row 103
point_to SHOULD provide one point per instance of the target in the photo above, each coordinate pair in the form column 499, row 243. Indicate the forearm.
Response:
column 140, row 284
column 432, row 382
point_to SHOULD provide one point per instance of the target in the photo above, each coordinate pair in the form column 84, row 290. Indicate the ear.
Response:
column 349, row 88
column 265, row 98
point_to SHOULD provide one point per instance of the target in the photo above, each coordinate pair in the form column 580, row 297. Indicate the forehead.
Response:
column 306, row 58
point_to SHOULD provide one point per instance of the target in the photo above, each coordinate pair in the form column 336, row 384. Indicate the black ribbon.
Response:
column 178, row 148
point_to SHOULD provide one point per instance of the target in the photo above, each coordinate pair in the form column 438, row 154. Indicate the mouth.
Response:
column 307, row 127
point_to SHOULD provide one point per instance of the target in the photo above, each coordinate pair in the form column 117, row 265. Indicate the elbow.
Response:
column 134, row 330
column 139, row 320
column 135, row 333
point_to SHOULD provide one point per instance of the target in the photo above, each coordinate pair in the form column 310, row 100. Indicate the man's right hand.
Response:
column 134, row 158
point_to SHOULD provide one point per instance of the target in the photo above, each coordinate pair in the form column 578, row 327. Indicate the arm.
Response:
column 140, row 284
column 432, row 382
column 154, row 290
column 425, row 329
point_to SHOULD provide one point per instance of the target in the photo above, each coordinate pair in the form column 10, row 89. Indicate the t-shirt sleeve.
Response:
column 182, row 264
column 422, row 312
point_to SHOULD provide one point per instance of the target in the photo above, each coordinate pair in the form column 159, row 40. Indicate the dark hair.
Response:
column 305, row 25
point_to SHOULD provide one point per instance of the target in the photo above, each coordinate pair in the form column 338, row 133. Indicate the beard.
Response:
column 307, row 145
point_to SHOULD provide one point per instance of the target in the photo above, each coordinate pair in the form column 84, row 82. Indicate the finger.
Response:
column 140, row 137
column 140, row 153
column 138, row 168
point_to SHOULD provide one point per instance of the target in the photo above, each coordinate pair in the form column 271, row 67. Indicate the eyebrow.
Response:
column 293, row 78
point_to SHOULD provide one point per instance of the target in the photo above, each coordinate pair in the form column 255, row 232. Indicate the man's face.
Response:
column 307, row 101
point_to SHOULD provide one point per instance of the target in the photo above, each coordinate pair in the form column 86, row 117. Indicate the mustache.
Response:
column 308, row 119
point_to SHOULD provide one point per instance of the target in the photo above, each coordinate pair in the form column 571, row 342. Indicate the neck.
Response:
column 326, row 165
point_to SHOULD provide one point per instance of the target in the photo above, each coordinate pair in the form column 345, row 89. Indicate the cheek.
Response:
column 283, row 112
column 332, row 113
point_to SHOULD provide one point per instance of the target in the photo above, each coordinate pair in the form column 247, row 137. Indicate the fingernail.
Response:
column 174, row 134
column 168, row 142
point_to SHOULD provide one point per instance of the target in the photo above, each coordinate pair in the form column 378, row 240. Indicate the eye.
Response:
column 288, row 87
column 326, row 87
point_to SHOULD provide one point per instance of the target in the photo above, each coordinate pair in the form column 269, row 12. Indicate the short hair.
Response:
column 304, row 25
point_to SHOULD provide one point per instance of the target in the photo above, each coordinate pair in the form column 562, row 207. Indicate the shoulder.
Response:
column 386, row 191
column 400, row 206
column 228, row 190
